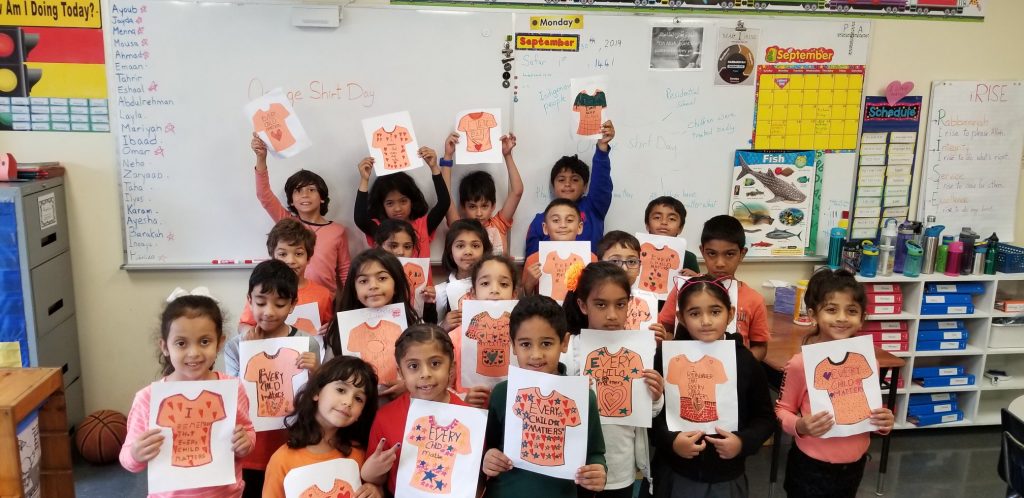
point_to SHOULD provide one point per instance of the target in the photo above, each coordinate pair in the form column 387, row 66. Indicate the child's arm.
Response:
column 759, row 349
column 436, row 214
column 273, row 477
column 361, row 213
column 515, row 181
column 760, row 421
column 600, row 193
column 656, row 386
column 344, row 260
column 271, row 204
column 759, row 334
column 495, row 461
column 446, row 174
column 244, row 438
column 376, row 467
column 141, row 444
column 787, row 408
column 534, row 235
column 667, row 315
column 309, row 360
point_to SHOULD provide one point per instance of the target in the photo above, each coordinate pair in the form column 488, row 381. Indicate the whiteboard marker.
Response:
column 223, row 262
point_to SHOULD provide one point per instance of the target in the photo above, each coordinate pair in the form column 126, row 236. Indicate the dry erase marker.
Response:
column 223, row 262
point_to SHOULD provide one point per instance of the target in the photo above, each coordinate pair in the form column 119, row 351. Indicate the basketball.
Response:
column 100, row 436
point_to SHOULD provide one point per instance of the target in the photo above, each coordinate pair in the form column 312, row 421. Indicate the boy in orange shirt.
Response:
column 562, row 223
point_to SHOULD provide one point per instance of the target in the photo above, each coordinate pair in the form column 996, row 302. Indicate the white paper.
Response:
column 733, row 286
column 538, row 402
column 370, row 334
column 590, row 105
column 615, row 362
column 331, row 478
column 456, row 292
column 271, row 378
column 275, row 122
column 642, row 311
column 442, row 447
column 843, row 373
column 202, row 414
column 479, row 136
column 706, row 373
column 392, row 143
column 305, row 317
column 417, row 271
column 661, row 259
column 555, row 258
column 47, row 210
column 486, row 351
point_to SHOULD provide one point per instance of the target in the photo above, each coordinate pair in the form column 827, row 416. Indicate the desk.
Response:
column 25, row 389
column 787, row 337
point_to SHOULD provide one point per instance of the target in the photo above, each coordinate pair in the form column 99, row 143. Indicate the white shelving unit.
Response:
column 982, row 401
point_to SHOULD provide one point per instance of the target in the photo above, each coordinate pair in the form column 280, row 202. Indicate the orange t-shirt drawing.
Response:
column 555, row 266
column 341, row 489
column 493, row 343
column 637, row 312
column 272, row 121
column 545, row 420
column 191, row 421
column 273, row 378
column 392, row 146
column 655, row 265
column 845, row 386
column 414, row 275
column 376, row 346
column 614, row 374
column 437, row 448
column 590, row 108
column 697, row 382
column 477, row 127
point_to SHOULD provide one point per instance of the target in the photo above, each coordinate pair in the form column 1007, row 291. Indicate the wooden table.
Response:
column 22, row 390
column 787, row 338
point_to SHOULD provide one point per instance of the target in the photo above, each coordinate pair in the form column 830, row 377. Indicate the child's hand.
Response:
column 728, row 446
column 685, row 444
column 660, row 334
column 655, row 383
column 478, row 396
column 508, row 142
column 531, row 278
column 253, row 334
column 258, row 147
column 607, row 134
column 495, row 462
column 365, row 167
column 308, row 361
column 591, row 477
column 815, row 425
column 429, row 294
column 429, row 155
column 883, row 419
column 449, row 145
column 380, row 463
column 240, row 442
column 322, row 331
column 453, row 319
column 368, row 490
column 393, row 391
column 688, row 272
column 147, row 446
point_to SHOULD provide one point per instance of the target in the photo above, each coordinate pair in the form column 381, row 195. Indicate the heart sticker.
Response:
column 897, row 90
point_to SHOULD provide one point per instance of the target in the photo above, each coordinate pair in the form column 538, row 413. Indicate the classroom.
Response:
column 142, row 225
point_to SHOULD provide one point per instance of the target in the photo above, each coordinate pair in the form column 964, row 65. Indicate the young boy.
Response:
column 722, row 243
column 569, row 179
column 539, row 334
column 563, row 222
column 667, row 216
column 292, row 244
column 477, row 194
column 623, row 249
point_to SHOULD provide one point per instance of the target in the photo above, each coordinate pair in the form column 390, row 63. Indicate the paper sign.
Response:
column 589, row 105
column 479, row 136
column 700, row 386
column 676, row 47
column 546, row 422
column 370, row 334
column 275, row 122
column 730, row 285
column 392, row 143
column 417, row 271
column 842, row 379
column 441, row 450
column 197, row 420
column 305, row 317
column 555, row 258
column 47, row 211
column 486, row 351
column 30, row 452
column 272, row 378
column 456, row 292
column 642, row 311
column 337, row 477
column 661, row 259
column 615, row 362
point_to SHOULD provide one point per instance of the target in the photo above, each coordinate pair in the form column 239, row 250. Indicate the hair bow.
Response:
column 198, row 291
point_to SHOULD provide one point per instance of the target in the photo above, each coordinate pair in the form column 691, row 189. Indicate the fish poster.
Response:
column 442, row 447
column 615, row 362
column 417, row 273
column 555, row 259
column 732, row 286
column 272, row 379
column 337, row 477
column 842, row 379
column 661, row 259
column 589, row 105
column 773, row 195
column 700, row 386
column 370, row 334
column 197, row 420
column 392, row 143
column 546, row 422
column 275, row 122
column 479, row 136
column 486, row 347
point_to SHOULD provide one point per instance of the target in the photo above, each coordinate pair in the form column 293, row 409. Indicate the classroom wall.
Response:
column 117, row 310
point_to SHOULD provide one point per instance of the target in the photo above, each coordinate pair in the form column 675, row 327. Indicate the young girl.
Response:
column 465, row 244
column 833, row 466
column 599, row 301
column 426, row 358
column 307, row 200
column 191, row 335
column 397, row 196
column 332, row 418
column 399, row 238
column 697, row 464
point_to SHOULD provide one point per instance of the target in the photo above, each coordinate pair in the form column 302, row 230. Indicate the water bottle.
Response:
column 942, row 255
column 886, row 249
column 851, row 256
column 931, row 247
column 990, row 257
column 868, row 259
column 978, row 267
column 969, row 238
column 836, row 237
column 912, row 264
column 905, row 233
column 956, row 252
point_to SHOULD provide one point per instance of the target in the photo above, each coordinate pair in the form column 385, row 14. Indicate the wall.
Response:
column 117, row 310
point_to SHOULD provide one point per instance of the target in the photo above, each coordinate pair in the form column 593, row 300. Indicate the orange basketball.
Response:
column 100, row 436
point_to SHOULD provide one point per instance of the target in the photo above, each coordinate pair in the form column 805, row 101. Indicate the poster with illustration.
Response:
column 479, row 136
column 642, row 311
column 589, row 105
column 442, row 447
column 333, row 478
column 842, row 379
column 197, row 420
column 305, row 317
column 457, row 291
column 30, row 452
column 275, row 122
column 615, row 362
column 272, row 378
column 676, row 47
column 661, row 259
column 730, row 285
column 773, row 194
column 392, row 143
column 486, row 351
column 700, row 386
column 555, row 258
column 736, row 56
column 546, row 422
column 370, row 334
column 417, row 273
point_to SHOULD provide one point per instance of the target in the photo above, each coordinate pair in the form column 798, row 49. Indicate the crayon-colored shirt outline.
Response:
column 191, row 422
column 341, row 489
column 494, row 345
column 435, row 458
column 273, row 123
column 545, row 420
column 556, row 267
column 477, row 127
column 392, row 147
column 656, row 266
column 376, row 346
column 637, row 312
column 613, row 374
column 589, row 108
column 272, row 375
column 844, row 382
column 697, row 381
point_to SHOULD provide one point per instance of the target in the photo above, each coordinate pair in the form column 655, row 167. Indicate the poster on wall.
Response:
column 736, row 56
column 773, row 196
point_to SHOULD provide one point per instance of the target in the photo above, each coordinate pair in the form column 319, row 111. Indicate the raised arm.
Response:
column 436, row 214
column 515, row 181
column 361, row 212
column 271, row 204
column 446, row 173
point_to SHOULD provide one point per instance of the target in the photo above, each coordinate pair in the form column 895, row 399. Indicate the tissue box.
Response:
column 957, row 288
column 940, row 324
column 950, row 380
column 941, row 345
column 945, row 309
column 937, row 371
column 942, row 335
column 927, row 399
column 937, row 418
column 931, row 409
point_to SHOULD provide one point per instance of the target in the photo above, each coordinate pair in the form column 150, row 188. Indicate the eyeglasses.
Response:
column 626, row 263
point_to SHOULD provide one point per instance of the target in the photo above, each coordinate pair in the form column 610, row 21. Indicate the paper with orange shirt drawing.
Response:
column 661, row 259
column 442, row 447
column 555, row 258
column 486, row 348
column 842, row 379
column 392, row 143
column 642, row 311
column 479, row 136
column 370, row 334
column 275, row 122
column 615, row 362
column 272, row 378
column 330, row 479
column 700, row 385
column 590, row 105
column 417, row 271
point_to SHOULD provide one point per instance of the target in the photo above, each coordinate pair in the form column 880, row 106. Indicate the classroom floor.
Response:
column 923, row 464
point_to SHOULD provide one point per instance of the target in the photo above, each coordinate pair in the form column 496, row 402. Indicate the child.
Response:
column 307, row 200
column 292, row 244
column 666, row 216
column 477, row 194
column 563, row 221
column 722, row 244
column 464, row 245
column 397, row 196
column 332, row 418
column 425, row 359
column 569, row 179
column 623, row 249
column 538, row 329
column 191, row 335
column 833, row 466
column 600, row 301
column 697, row 464
column 399, row 238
